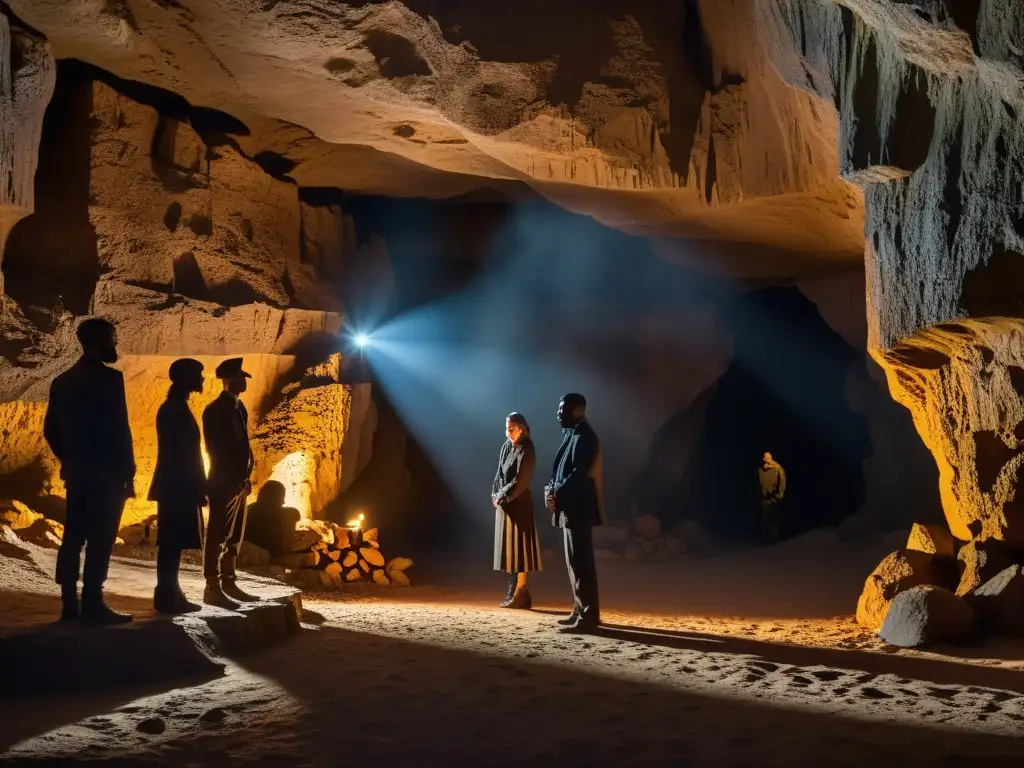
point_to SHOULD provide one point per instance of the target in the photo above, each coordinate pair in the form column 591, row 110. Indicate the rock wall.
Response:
column 198, row 251
column 27, row 77
column 929, row 97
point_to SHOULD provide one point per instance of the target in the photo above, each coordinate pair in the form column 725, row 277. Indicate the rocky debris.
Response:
column 980, row 560
column 999, row 601
column 44, row 533
column 326, row 556
column 17, row 515
column 141, row 534
column 926, row 615
column 898, row 572
column 932, row 539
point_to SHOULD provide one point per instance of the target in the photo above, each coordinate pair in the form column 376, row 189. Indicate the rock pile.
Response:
column 643, row 540
column 324, row 556
column 30, row 525
column 937, row 589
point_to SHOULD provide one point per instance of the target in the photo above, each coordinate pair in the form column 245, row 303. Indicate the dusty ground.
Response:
column 732, row 661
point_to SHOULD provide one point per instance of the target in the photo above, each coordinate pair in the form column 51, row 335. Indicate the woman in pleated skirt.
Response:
column 516, row 547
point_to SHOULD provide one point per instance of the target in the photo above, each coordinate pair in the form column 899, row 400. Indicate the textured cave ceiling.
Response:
column 663, row 118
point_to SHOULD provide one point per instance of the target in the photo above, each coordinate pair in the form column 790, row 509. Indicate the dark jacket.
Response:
column 576, row 479
column 87, row 426
column 226, row 432
column 179, row 477
column 512, row 482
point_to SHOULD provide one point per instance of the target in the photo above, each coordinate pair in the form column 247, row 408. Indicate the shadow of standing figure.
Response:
column 270, row 524
column 179, row 485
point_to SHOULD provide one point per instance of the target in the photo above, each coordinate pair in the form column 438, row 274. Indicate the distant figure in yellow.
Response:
column 773, row 488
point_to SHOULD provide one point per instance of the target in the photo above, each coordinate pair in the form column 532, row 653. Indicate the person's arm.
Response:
column 51, row 422
column 496, row 485
column 781, row 487
column 524, row 475
column 583, row 455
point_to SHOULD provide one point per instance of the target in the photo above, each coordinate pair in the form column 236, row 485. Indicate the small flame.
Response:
column 357, row 523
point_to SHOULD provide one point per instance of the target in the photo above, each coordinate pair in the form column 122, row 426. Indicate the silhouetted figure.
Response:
column 87, row 428
column 772, row 479
column 225, row 430
column 574, row 498
column 179, row 485
column 269, row 523
column 516, row 547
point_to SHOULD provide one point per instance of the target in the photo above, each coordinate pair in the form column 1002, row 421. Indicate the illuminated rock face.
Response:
column 930, row 98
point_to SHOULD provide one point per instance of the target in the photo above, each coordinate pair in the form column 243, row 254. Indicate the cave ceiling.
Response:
column 662, row 118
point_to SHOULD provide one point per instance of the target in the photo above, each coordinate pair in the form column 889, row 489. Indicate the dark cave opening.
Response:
column 784, row 392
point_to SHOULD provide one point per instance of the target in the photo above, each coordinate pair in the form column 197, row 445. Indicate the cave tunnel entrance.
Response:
column 784, row 392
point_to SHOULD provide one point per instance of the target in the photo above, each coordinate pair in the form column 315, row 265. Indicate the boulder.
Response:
column 926, row 615
column 980, row 560
column 898, row 572
column 250, row 554
column 16, row 515
column 932, row 539
column 999, row 602
column 305, row 539
column 648, row 526
column 43, row 533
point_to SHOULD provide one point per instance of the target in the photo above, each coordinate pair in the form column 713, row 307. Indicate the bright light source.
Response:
column 362, row 340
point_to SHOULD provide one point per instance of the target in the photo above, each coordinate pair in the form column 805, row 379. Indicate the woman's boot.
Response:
column 513, row 579
column 521, row 599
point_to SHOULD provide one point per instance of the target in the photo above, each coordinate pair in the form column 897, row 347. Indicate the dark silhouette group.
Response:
column 572, row 495
column 87, row 428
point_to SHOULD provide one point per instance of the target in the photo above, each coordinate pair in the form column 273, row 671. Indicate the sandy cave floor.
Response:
column 746, row 659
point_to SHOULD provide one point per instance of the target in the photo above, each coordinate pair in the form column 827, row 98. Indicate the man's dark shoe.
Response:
column 569, row 620
column 172, row 602
column 70, row 609
column 214, row 595
column 96, row 613
column 232, row 590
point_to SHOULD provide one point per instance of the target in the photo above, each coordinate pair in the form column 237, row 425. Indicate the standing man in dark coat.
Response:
column 179, row 485
column 225, row 429
column 574, row 497
column 87, row 429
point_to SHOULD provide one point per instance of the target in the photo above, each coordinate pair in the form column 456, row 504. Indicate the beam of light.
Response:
column 362, row 340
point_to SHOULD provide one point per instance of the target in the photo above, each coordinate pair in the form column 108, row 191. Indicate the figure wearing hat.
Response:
column 227, row 443
column 179, row 485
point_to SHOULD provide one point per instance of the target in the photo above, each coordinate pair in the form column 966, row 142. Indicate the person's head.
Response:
column 186, row 375
column 767, row 458
column 516, row 427
column 232, row 376
column 572, row 409
column 98, row 338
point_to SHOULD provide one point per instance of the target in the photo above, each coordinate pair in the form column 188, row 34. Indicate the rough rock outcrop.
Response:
column 929, row 97
column 932, row 539
column 897, row 573
column 998, row 601
column 674, row 97
column 27, row 77
column 926, row 615
column 980, row 560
